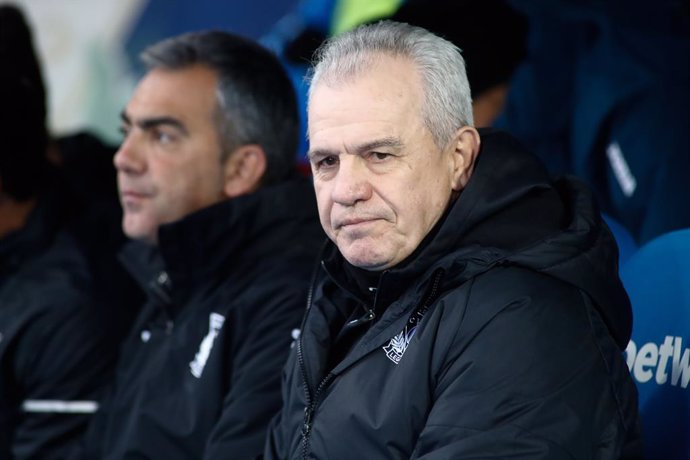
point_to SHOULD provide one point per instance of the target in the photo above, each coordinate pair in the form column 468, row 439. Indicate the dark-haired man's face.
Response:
column 169, row 162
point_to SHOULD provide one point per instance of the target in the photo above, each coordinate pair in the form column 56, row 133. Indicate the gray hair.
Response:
column 447, row 105
column 256, row 102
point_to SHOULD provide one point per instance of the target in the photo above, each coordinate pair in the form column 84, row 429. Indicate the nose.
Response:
column 351, row 183
column 130, row 158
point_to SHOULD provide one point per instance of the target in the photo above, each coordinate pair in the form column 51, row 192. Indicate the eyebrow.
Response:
column 390, row 142
column 153, row 122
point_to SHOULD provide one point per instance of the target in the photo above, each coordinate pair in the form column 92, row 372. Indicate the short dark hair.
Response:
column 256, row 99
column 23, row 130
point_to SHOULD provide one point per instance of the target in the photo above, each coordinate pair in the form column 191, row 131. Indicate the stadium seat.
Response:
column 657, row 278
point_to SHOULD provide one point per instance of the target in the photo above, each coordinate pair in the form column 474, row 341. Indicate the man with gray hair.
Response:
column 468, row 306
column 224, row 236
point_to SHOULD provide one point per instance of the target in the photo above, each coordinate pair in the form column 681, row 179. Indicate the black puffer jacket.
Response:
column 200, row 376
column 58, row 336
column 500, row 337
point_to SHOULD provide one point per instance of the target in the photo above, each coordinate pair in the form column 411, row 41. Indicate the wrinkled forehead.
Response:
column 379, row 103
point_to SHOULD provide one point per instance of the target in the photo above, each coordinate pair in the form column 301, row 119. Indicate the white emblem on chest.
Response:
column 398, row 344
column 215, row 323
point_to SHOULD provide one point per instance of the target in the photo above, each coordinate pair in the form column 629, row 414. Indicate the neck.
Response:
column 14, row 214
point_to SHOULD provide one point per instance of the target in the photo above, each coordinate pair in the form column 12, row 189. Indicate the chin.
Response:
column 366, row 262
column 137, row 233
column 367, row 255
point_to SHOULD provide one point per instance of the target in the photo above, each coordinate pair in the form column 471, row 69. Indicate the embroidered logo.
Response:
column 215, row 323
column 398, row 344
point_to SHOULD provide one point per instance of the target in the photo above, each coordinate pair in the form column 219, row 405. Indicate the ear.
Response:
column 244, row 169
column 467, row 143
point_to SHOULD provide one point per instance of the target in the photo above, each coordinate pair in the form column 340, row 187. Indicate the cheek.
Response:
column 176, row 195
column 166, row 207
column 427, row 204
column 324, row 205
column 194, row 185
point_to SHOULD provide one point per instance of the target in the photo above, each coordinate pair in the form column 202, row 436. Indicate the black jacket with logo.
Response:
column 500, row 337
column 200, row 376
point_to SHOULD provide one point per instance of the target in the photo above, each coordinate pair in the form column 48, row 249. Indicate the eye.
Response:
column 327, row 162
column 124, row 130
column 162, row 137
column 380, row 156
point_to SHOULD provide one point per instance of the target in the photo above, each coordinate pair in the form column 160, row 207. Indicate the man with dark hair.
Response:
column 469, row 306
column 224, row 238
column 58, row 340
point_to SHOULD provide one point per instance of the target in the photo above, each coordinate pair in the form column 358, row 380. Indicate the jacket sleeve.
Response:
column 536, row 382
column 254, row 396
column 63, row 363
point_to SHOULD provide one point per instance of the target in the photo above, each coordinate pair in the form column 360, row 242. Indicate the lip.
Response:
column 132, row 195
column 133, row 191
column 354, row 222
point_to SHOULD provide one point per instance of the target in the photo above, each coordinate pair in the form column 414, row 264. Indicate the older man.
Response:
column 469, row 306
column 224, row 240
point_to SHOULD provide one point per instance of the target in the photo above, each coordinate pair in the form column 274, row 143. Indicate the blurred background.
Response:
column 595, row 88
column 88, row 48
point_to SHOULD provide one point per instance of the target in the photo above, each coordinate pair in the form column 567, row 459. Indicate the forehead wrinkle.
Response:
column 390, row 141
column 359, row 149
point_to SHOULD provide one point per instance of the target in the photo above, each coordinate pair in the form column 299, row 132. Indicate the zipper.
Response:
column 161, row 286
column 309, row 413
column 311, row 400
column 433, row 292
column 302, row 367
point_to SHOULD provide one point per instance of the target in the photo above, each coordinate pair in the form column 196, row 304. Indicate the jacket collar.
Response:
column 206, row 245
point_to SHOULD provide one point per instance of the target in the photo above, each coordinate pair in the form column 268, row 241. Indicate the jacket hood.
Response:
column 512, row 213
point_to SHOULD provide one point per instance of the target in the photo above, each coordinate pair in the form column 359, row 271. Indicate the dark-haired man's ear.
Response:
column 467, row 142
column 244, row 169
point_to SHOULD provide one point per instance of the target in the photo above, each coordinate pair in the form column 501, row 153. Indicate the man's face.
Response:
column 169, row 162
column 381, row 182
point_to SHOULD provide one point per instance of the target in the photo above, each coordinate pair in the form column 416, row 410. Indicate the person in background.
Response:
column 224, row 233
column 468, row 305
column 493, row 43
column 59, row 337
column 603, row 94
